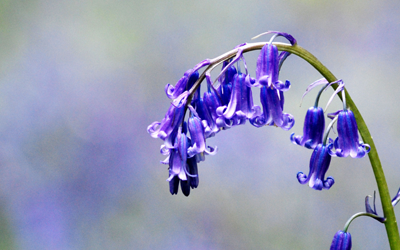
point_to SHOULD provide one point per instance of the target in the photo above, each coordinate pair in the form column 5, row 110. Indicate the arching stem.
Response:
column 390, row 223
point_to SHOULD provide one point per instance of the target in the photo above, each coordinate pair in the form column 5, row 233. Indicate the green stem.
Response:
column 390, row 223
column 376, row 217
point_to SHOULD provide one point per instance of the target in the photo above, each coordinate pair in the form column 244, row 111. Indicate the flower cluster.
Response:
column 224, row 105
column 345, row 144
column 228, row 102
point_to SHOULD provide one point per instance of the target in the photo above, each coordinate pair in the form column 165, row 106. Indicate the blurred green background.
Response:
column 80, row 81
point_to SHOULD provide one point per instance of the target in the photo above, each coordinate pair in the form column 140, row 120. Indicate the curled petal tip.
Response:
column 289, row 37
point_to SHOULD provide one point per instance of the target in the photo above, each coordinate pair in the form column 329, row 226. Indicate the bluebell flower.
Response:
column 197, row 136
column 179, row 169
column 270, row 61
column 240, row 107
column 168, row 127
column 186, row 82
column 226, row 82
column 267, row 70
column 192, row 180
column 272, row 114
column 341, row 241
column 271, row 94
column 319, row 164
column 347, row 142
column 207, row 108
column 313, row 130
column 210, row 126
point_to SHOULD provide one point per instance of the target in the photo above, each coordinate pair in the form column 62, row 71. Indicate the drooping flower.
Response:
column 186, row 82
column 192, row 179
column 267, row 70
column 347, row 142
column 341, row 241
column 240, row 106
column 178, row 165
column 210, row 126
column 197, row 136
column 226, row 82
column 270, row 61
column 271, row 94
column 207, row 109
column 319, row 164
column 167, row 129
column 272, row 101
column 313, row 130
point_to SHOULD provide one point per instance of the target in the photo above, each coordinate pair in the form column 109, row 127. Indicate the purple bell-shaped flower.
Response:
column 341, row 241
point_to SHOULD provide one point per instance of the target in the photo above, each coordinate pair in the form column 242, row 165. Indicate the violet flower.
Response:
column 186, row 82
column 269, row 62
column 207, row 108
column 226, row 82
column 240, row 106
column 314, row 123
column 272, row 101
column 267, row 70
column 197, row 135
column 341, row 241
column 319, row 164
column 178, row 166
column 166, row 129
column 347, row 142
column 313, row 130
column 210, row 126
column 271, row 95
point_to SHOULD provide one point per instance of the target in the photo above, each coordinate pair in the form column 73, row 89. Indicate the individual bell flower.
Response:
column 313, row 130
column 197, row 136
column 270, row 61
column 210, row 126
column 166, row 129
column 226, row 82
column 240, row 106
column 178, row 165
column 347, row 142
column 319, row 164
column 341, row 241
column 272, row 114
column 192, row 179
column 212, row 102
column 267, row 70
column 186, row 82
column 206, row 109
